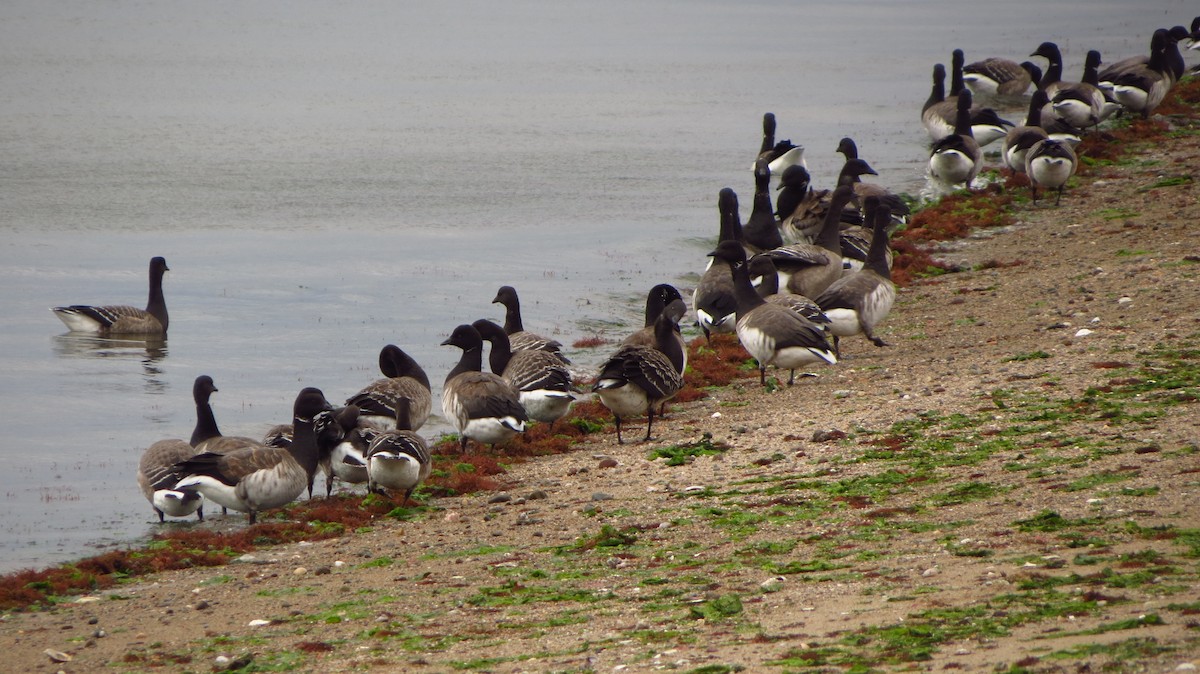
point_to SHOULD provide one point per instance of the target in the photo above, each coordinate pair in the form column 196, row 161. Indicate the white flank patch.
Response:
column 624, row 401
column 214, row 490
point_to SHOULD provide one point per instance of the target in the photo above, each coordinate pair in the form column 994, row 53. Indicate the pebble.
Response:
column 258, row 622
column 58, row 656
column 772, row 584
column 537, row 495
column 500, row 498
column 1125, row 300
column 200, row 605
column 601, row 496
column 299, row 571
column 608, row 462
column 1083, row 332
column 323, row 571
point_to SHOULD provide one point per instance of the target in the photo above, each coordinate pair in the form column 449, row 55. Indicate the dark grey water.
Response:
column 326, row 178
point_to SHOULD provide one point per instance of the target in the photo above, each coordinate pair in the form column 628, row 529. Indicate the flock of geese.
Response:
column 809, row 267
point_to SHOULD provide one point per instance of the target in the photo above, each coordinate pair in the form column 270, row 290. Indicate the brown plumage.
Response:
column 482, row 406
column 402, row 378
column 543, row 384
column 808, row 268
column 766, row 279
column 518, row 337
column 997, row 76
column 856, row 303
column 156, row 476
column 121, row 319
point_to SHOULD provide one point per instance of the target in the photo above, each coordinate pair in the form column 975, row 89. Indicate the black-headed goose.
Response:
column 995, row 76
column 765, row 278
column 1162, row 39
column 157, row 478
column 1020, row 139
column 206, row 436
column 543, row 384
column 398, row 460
column 799, row 207
column 856, row 303
column 520, row 338
column 481, row 405
column 121, row 319
column 851, row 174
column 343, row 455
column 771, row 334
column 1080, row 104
column 403, row 378
column 254, row 479
column 808, row 268
column 777, row 155
column 957, row 158
column 938, row 114
column 637, row 379
column 1049, row 164
column 712, row 300
column 657, row 300
column 1142, row 88
column 761, row 231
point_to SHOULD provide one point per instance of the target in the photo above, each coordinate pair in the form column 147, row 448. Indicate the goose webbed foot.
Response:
column 878, row 342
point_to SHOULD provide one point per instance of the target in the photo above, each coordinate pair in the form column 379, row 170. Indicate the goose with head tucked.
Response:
column 156, row 477
column 481, row 405
column 1049, row 164
column 856, row 303
column 518, row 336
column 543, row 384
column 112, row 319
column 712, row 300
column 772, row 334
column 397, row 459
column 254, row 479
column 402, row 378
column 636, row 379
column 957, row 158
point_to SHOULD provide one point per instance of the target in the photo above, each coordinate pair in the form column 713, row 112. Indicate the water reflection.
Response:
column 150, row 352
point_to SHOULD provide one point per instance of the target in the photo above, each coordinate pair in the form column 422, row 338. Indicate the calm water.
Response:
column 326, row 178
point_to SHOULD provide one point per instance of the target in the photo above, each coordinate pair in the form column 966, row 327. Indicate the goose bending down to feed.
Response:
column 253, row 479
column 543, row 384
column 858, row 302
column 1020, row 139
column 771, row 334
column 637, row 378
column 997, row 76
column 403, row 379
column 1050, row 163
column 157, row 477
column 397, row 459
column 481, row 405
column 121, row 319
column 712, row 300
column 521, row 339
column 957, row 158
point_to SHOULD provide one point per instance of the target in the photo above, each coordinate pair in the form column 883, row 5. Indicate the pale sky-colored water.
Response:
column 326, row 178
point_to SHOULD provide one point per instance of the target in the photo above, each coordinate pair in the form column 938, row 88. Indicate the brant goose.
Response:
column 542, row 382
column 712, row 299
column 638, row 378
column 121, row 319
column 956, row 159
column 1142, row 88
column 157, row 477
column 939, row 112
column 1050, row 163
column 761, row 232
column 397, row 460
column 771, row 334
column 995, row 76
column 253, row 479
column 517, row 336
column 482, row 406
column 658, row 299
column 808, row 268
column 778, row 156
column 206, row 437
column 856, row 303
column 765, row 278
column 403, row 379
column 1021, row 138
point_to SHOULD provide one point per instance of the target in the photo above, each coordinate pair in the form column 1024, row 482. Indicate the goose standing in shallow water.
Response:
column 637, row 379
column 1020, row 139
column 481, row 405
column 521, row 339
column 771, row 334
column 1050, row 163
column 542, row 382
column 856, row 303
column 157, row 477
column 206, row 436
column 403, row 379
column 254, row 479
column 398, row 459
column 121, row 319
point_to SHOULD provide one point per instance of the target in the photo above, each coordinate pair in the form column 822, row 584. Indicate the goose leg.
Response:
column 791, row 377
column 649, row 423
column 200, row 513
column 618, row 419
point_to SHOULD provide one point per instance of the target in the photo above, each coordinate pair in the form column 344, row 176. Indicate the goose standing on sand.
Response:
column 957, row 158
column 542, row 382
column 712, row 300
column 398, row 459
column 120, row 319
column 481, row 405
column 765, row 279
column 856, row 303
column 1142, row 88
column 657, row 300
column 637, row 379
column 156, row 476
column 771, row 334
column 995, row 76
column 254, row 479
column 1162, row 39
column 404, row 379
column 521, row 339
column 1050, row 163
column 1021, row 138
column 808, row 268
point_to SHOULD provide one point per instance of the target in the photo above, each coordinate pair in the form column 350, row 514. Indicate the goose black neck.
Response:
column 304, row 447
column 501, row 351
column 156, row 305
column 470, row 361
column 828, row 237
column 877, row 252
